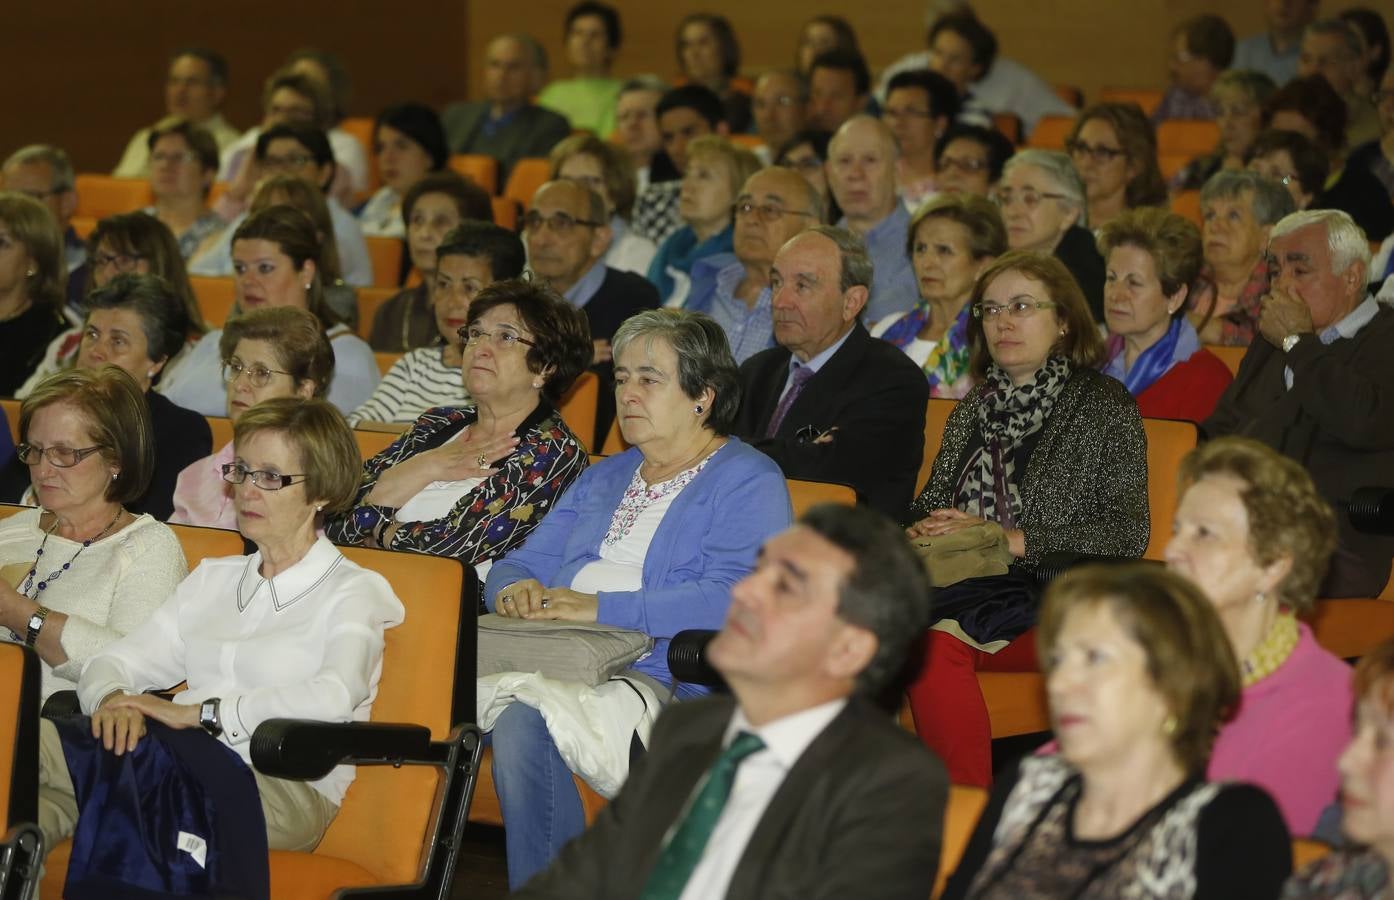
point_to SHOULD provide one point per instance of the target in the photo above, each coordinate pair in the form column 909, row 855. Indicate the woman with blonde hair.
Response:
column 32, row 282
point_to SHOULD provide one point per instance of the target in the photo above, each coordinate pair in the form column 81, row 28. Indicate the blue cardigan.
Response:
column 706, row 542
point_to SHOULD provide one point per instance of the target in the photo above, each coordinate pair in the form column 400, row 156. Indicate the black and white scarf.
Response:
column 1007, row 415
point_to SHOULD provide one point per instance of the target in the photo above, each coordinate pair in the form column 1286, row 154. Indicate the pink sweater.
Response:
column 201, row 497
column 1290, row 729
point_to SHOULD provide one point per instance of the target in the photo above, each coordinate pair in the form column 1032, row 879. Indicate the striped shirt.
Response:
column 417, row 382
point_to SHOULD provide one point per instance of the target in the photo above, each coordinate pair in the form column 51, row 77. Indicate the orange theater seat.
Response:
column 527, row 176
column 1187, row 137
column 1230, row 356
column 370, row 300
column 1148, row 98
column 1350, row 628
column 1171, row 163
column 960, row 818
column 221, row 428
column 748, row 141
column 1187, row 205
column 83, row 226
column 386, row 254
column 100, row 196
column 506, row 212
column 386, row 361
column 20, row 842
column 1015, row 701
column 806, row 494
column 614, row 441
column 360, row 128
column 1050, row 132
column 578, row 407
column 1010, row 126
column 215, row 296
column 482, row 170
column 371, row 443
column 1168, row 440
column 935, row 418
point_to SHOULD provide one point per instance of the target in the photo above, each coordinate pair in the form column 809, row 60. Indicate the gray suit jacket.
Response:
column 859, row 815
column 532, row 132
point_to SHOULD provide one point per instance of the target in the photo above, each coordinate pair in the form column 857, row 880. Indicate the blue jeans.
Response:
column 540, row 804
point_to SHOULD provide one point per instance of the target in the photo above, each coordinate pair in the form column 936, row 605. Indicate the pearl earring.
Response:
column 319, row 509
column 113, row 475
column 29, row 274
column 307, row 285
column 1260, row 597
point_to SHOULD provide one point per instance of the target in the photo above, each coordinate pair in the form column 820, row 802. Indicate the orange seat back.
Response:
column 1350, row 628
column 360, row 128
column 19, row 736
column 935, row 418
column 216, row 298
column 1010, row 126
column 1187, row 137
column 386, row 361
column 578, row 407
column 527, row 176
column 804, row 495
column 1050, row 132
column 386, row 254
column 221, row 427
column 199, row 543
column 371, row 443
column 482, row 170
column 1016, row 702
column 83, row 226
column 370, row 299
column 1306, row 851
column 1230, row 356
column 748, row 141
column 100, row 196
column 1148, row 98
column 11, row 408
column 1187, row 205
column 505, row 212
column 1168, row 440
column 960, row 818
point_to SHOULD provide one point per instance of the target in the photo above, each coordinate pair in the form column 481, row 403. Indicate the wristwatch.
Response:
column 208, row 717
column 36, row 623
column 1290, row 341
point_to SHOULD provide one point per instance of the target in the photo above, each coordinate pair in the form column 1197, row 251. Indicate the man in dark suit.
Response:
column 507, row 126
column 809, row 787
column 832, row 403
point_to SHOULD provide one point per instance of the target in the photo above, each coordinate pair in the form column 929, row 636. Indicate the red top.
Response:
column 1189, row 390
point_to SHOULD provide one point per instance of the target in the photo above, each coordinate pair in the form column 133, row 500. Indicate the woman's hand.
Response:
column 941, row 522
column 520, row 598
column 528, row 599
column 126, row 714
column 453, row 461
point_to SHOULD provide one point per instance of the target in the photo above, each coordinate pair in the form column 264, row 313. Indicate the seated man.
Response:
column 684, row 114
column 45, row 173
column 861, row 175
column 778, row 106
column 734, row 288
column 587, row 99
column 1274, row 52
column 832, row 403
column 1202, row 47
column 636, row 130
column 810, row 787
column 1319, row 384
column 194, row 91
column 506, row 125
column 839, row 85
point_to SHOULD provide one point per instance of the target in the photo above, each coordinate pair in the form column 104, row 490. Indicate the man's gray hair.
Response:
column 813, row 201
column 1058, row 168
column 1269, row 200
column 704, row 357
column 63, row 176
column 855, row 262
column 530, row 44
column 1340, row 28
column 1346, row 239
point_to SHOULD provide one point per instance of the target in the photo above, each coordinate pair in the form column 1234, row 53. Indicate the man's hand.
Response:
column 1283, row 313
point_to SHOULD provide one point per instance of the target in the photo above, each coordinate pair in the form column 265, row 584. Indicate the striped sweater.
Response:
column 417, row 382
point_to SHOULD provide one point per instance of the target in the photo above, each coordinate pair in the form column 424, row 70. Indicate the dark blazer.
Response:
column 621, row 295
column 859, row 815
column 1337, row 421
column 182, row 437
column 875, row 397
column 1080, row 255
column 532, row 132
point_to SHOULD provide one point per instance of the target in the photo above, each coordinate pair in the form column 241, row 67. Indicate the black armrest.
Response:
column 60, row 704
column 687, row 658
column 306, row 749
column 1371, row 510
column 1053, row 565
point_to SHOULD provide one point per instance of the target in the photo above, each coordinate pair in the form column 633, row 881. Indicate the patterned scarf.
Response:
column 1007, row 415
column 947, row 363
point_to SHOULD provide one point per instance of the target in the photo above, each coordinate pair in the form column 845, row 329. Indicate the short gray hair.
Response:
column 1269, row 200
column 704, row 357
column 856, row 267
column 1059, row 169
column 1340, row 28
column 643, row 83
column 63, row 175
column 530, row 44
column 812, row 198
column 1346, row 239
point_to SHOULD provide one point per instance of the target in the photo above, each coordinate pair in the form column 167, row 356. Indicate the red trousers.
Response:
column 950, row 713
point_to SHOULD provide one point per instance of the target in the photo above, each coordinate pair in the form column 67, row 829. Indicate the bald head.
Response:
column 783, row 204
column 566, row 232
column 861, row 171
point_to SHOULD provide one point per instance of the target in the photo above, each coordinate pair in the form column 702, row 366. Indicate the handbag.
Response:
column 973, row 552
column 587, row 652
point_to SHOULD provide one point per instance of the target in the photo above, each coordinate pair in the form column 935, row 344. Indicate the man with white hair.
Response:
column 1318, row 385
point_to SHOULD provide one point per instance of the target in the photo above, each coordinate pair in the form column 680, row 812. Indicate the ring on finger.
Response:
column 481, row 460
column 507, row 598
column 546, row 603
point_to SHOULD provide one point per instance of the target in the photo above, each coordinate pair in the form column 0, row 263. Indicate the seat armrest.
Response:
column 1371, row 510
column 687, row 658
column 61, row 704
column 306, row 749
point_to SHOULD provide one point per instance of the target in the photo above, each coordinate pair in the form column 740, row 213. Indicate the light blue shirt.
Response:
column 1256, row 52
column 1347, row 328
column 893, row 287
column 748, row 329
column 583, row 291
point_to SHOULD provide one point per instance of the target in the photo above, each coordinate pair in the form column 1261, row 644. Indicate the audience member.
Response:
column 636, row 130
column 839, row 85
column 652, row 539
column 1293, row 161
column 1377, row 157
column 734, row 288
column 1274, row 52
column 408, row 144
column 607, row 170
column 1332, row 48
column 1153, row 259
column 1254, row 535
column 31, row 287
column 819, row 35
column 1043, row 206
column 432, row 208
column 1201, row 48
column 951, row 240
column 7, row 443
column 1238, row 97
column 469, row 259
column 862, row 160
column 779, row 106
column 850, row 807
column 1138, row 679
column 44, row 173
column 587, row 99
column 1237, row 210
column 1114, row 148
column 195, row 88
column 716, row 169
column 183, row 161
column 968, row 159
column 1318, row 387
column 832, row 403
column 86, row 442
column 684, row 114
column 1044, row 454
column 506, row 124
column 919, row 107
column 351, row 173
column 807, row 154
column 278, row 351
column 472, row 481
column 709, row 55
column 1370, row 27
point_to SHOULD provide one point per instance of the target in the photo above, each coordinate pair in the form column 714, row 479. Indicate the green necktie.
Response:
column 681, row 854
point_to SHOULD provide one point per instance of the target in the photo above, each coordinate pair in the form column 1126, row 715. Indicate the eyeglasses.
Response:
column 1017, row 309
column 559, row 222
column 122, row 261
column 236, row 473
column 1097, row 152
column 186, row 156
column 1029, row 197
column 62, row 457
column 293, row 161
column 503, row 338
column 766, row 212
column 964, row 164
column 258, row 375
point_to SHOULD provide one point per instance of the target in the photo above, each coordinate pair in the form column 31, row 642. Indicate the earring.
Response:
column 307, row 285
column 319, row 509
column 150, row 374
column 697, row 409
column 1260, row 598
column 113, row 475
column 1169, row 726
column 29, row 274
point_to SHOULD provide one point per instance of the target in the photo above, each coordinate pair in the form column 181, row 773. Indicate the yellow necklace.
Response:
column 1272, row 651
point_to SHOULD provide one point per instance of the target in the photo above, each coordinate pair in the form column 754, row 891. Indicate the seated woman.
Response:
column 919, row 106
column 709, row 54
column 1202, row 47
column 294, row 630
column 716, row 169
column 807, row 154
column 952, row 240
column 1049, row 449
column 276, row 253
column 432, row 208
column 820, row 34
column 1237, row 96
column 609, row 171
column 1138, row 680
column 1153, row 258
column 968, row 159
column 1114, row 148
column 294, row 191
column 468, row 260
column 82, row 570
column 1237, row 211
column 1294, row 161
column 652, row 539
column 350, row 160
column 126, row 244
column 1253, row 533
column 32, row 297
column 278, row 351
column 472, row 482
column 183, row 164
column 408, row 144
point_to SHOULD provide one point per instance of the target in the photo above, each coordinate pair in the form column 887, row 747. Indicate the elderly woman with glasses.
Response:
column 471, row 482
column 1238, row 96
column 1044, row 454
column 1114, row 148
